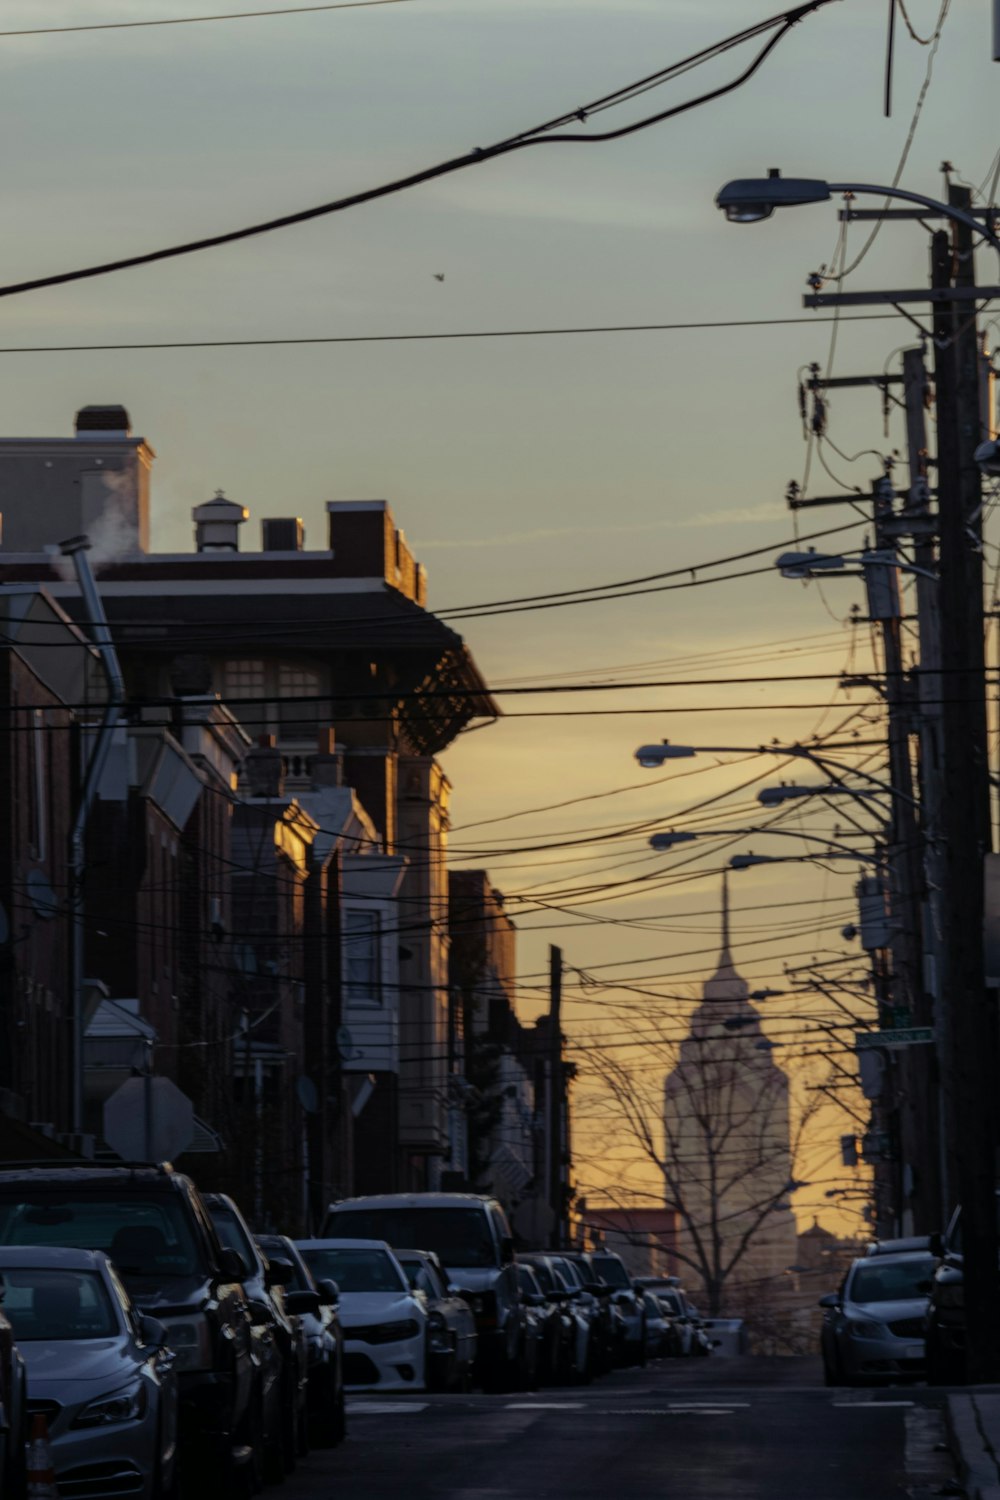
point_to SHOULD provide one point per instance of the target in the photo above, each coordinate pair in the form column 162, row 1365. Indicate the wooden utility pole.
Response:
column 968, row 1020
column 556, row 1194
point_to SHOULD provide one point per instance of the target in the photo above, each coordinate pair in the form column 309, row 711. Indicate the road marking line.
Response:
column 867, row 1405
column 544, row 1406
column 710, row 1405
column 383, row 1408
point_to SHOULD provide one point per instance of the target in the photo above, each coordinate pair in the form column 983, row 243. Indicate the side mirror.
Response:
column 280, row 1271
column 152, row 1331
column 232, row 1265
column 453, row 1290
column 830, row 1300
column 329, row 1292
column 303, row 1302
column 935, row 1244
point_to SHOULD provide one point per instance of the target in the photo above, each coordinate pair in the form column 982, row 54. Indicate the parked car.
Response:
column 595, row 1299
column 576, row 1353
column 471, row 1237
column 384, row 1322
column 610, row 1269
column 618, row 1315
column 315, row 1305
column 451, row 1323
column 278, row 1341
column 98, row 1370
column 682, row 1336
column 874, row 1325
column 701, row 1341
column 552, row 1327
column 153, row 1225
column 944, row 1324
column 657, row 1327
column 13, row 1403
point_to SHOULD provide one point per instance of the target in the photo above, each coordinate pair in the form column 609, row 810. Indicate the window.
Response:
column 245, row 679
column 362, row 968
column 354, row 1270
column 57, row 1304
column 300, row 716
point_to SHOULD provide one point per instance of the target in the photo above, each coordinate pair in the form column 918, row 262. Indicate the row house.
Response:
column 276, row 647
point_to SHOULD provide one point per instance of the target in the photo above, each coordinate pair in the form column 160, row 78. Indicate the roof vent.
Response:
column 217, row 524
column 282, row 534
column 106, row 420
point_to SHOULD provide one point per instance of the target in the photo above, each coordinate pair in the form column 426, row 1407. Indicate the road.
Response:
column 733, row 1429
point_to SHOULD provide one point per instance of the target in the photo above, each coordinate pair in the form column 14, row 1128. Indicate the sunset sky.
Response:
column 516, row 466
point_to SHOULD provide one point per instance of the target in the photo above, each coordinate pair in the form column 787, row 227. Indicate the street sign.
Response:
column 148, row 1119
column 901, row 1036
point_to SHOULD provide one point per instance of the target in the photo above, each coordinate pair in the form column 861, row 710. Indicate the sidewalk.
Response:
column 974, row 1429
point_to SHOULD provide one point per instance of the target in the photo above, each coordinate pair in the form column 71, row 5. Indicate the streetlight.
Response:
column 652, row 757
column 745, row 861
column 747, row 200
column 669, row 837
column 774, row 796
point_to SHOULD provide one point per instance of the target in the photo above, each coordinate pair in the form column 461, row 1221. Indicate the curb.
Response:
column 973, row 1423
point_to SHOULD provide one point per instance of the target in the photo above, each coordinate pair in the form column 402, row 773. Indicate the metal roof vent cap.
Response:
column 217, row 524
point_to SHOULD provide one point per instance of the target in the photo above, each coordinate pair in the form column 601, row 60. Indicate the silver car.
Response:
column 873, row 1329
column 98, row 1371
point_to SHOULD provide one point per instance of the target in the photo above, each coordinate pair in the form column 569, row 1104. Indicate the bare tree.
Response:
column 721, row 1137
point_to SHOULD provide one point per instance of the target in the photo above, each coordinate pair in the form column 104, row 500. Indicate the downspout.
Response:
column 76, row 548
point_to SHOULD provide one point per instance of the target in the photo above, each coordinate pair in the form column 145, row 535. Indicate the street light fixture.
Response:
column 652, row 757
column 748, row 200
column 774, row 796
column 745, row 861
column 669, row 837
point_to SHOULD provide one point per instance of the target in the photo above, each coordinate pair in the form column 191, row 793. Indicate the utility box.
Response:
column 873, row 912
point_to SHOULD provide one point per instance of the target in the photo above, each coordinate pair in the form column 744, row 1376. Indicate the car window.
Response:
column 458, row 1236
column 526, row 1279
column 569, row 1273
column 143, row 1236
column 233, row 1236
column 421, row 1278
column 873, row 1282
column 58, row 1305
column 651, row 1305
column 299, row 1280
column 543, row 1276
column 355, row 1270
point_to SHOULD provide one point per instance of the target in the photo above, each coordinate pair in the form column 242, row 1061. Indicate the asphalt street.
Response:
column 734, row 1429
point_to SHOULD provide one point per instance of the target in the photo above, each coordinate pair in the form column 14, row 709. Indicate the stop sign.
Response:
column 148, row 1119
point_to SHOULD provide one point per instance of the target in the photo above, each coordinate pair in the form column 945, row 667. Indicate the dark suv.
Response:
column 152, row 1223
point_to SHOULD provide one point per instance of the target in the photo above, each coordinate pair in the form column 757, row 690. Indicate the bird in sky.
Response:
column 438, row 275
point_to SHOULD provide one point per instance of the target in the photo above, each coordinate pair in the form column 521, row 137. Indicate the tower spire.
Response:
column 725, row 957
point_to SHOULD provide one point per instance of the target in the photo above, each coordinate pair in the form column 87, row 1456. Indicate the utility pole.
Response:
column 555, row 1099
column 930, row 698
column 968, row 1020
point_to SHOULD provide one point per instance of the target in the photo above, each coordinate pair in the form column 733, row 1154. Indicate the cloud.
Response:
column 767, row 510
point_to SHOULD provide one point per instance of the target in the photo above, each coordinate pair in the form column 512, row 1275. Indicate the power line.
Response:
column 556, row 130
column 416, row 338
column 234, row 15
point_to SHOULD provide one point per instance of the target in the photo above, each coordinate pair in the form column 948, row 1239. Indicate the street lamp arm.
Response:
column 959, row 215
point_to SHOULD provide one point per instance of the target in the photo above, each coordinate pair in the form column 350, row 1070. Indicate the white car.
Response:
column 384, row 1323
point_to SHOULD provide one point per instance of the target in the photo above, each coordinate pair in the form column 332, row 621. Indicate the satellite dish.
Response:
column 307, row 1095
column 41, row 895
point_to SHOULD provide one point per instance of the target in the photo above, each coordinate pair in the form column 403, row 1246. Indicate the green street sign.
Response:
column 902, row 1036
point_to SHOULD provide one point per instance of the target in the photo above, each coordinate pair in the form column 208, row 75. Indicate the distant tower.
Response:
column 727, row 1153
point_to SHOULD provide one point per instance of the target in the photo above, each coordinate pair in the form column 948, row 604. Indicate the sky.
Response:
column 523, row 465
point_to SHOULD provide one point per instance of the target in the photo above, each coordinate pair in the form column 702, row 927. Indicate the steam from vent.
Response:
column 112, row 531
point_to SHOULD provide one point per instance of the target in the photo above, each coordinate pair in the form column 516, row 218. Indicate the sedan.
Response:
column 384, row 1322
column 315, row 1305
column 98, row 1371
column 451, row 1323
column 873, row 1327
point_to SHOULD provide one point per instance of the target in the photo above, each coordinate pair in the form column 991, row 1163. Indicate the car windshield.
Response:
column 672, row 1302
column 57, row 1304
column 526, row 1280
column 233, row 1236
column 354, row 1270
column 569, row 1274
column 143, row 1236
column 610, row 1269
column 888, row 1282
column 458, row 1236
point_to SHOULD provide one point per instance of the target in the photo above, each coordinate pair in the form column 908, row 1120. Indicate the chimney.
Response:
column 102, row 422
column 217, row 524
column 264, row 769
column 328, row 764
column 282, row 534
